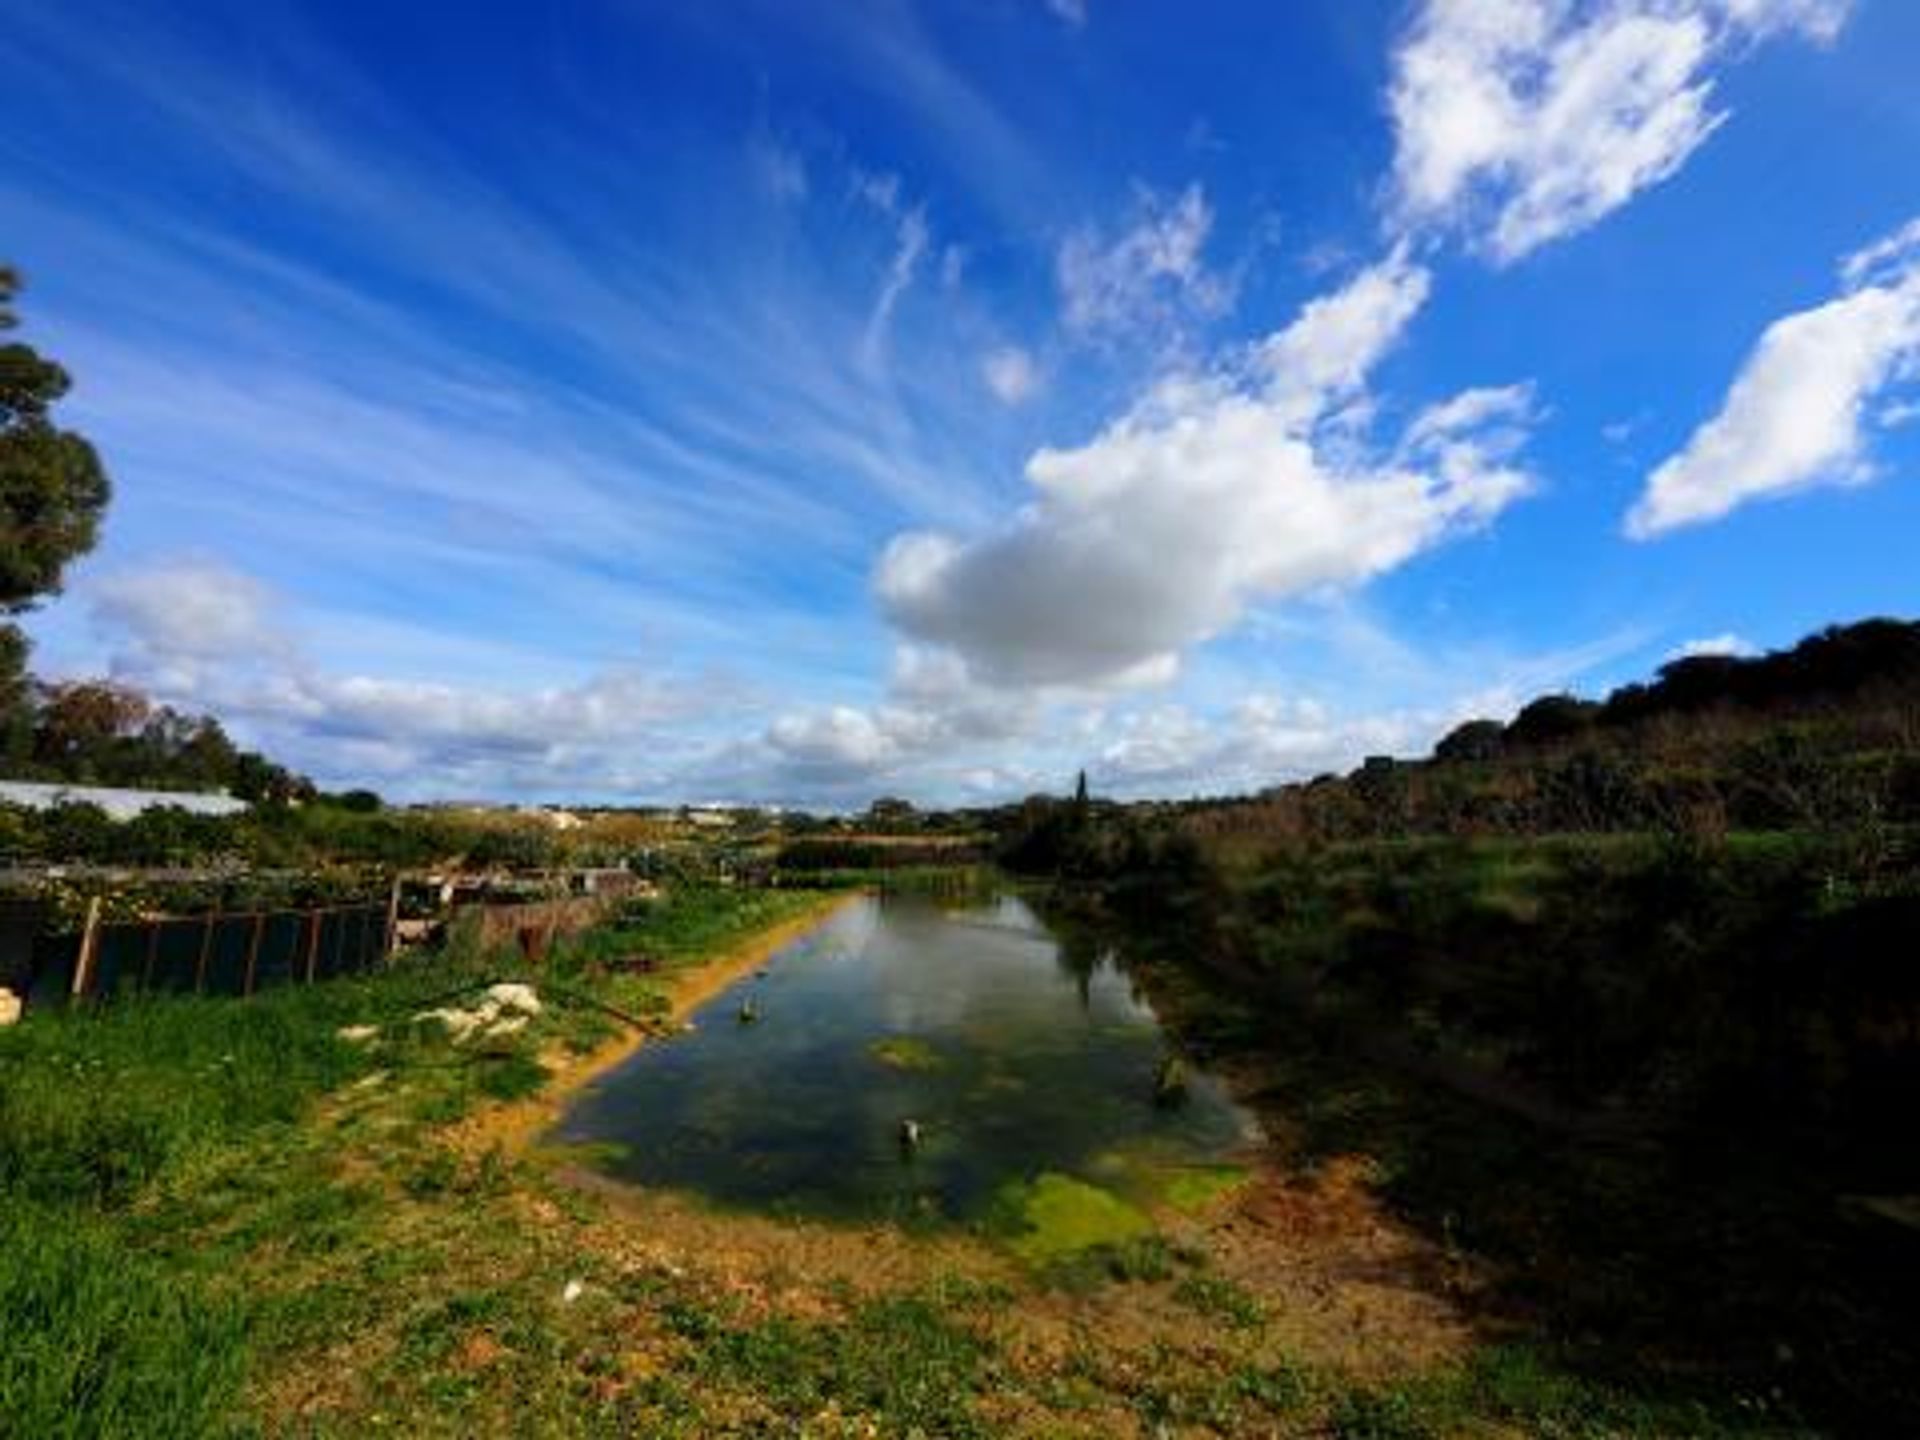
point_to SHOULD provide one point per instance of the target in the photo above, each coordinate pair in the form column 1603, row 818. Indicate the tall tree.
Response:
column 52, row 486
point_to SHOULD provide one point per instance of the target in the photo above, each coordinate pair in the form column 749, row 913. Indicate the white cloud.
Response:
column 1074, row 12
column 931, row 731
column 1010, row 374
column 839, row 738
column 910, row 247
column 1728, row 644
column 1527, row 120
column 1797, row 413
column 1263, row 740
column 205, row 637
column 190, row 611
column 1212, row 493
column 1151, row 277
column 1326, row 353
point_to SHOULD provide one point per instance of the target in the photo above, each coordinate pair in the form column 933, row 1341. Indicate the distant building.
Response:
column 120, row 804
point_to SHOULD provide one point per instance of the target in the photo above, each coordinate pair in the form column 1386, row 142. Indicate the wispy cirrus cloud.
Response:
column 1151, row 278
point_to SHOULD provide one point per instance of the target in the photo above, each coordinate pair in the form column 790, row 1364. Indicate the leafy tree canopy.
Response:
column 52, row 486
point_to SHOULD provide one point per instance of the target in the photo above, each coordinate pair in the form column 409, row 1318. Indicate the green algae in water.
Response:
column 1055, row 1216
column 905, row 1052
column 1198, row 1186
column 1156, row 1178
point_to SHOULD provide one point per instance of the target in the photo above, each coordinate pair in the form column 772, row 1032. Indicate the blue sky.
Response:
column 750, row 401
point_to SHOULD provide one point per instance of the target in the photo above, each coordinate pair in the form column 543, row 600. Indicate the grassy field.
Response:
column 224, row 1218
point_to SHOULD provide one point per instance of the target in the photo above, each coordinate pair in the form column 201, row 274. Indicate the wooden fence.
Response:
column 238, row 952
column 219, row 953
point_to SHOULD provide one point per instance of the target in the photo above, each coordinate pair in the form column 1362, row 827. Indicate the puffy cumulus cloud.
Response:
column 1528, row 120
column 1268, row 738
column 840, row 741
column 1214, row 492
column 1151, row 277
column 204, row 636
column 1802, row 408
column 943, row 734
column 1261, row 741
column 1010, row 373
column 937, row 720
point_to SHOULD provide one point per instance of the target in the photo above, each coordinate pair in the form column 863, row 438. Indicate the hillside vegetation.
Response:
column 1625, row 992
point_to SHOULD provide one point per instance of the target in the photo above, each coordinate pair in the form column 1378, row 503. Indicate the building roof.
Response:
column 120, row 804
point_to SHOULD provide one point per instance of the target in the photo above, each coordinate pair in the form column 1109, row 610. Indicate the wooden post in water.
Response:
column 83, row 962
column 253, row 950
column 313, row 942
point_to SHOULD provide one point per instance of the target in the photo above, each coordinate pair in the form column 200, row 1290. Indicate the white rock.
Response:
column 523, row 998
column 459, row 1024
column 10, row 1007
column 511, row 1025
column 358, row 1034
column 573, row 1291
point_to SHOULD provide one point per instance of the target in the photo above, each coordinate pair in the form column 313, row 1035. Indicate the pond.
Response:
column 1030, row 1069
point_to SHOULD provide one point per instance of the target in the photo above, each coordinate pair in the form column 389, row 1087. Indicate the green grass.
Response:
column 904, row 1360
column 145, row 1141
column 100, row 1343
column 216, row 1217
column 1223, row 1300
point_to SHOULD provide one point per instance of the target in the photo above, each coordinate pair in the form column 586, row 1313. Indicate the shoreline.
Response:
column 516, row 1126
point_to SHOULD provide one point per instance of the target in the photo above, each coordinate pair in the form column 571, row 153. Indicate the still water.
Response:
column 1015, row 1056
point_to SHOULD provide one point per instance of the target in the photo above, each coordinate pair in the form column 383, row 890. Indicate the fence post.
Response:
column 339, row 939
column 391, row 938
column 313, row 942
column 206, row 952
column 89, row 948
column 253, row 950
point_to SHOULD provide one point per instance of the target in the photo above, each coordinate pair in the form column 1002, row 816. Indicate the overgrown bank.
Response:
column 1661, row 1081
